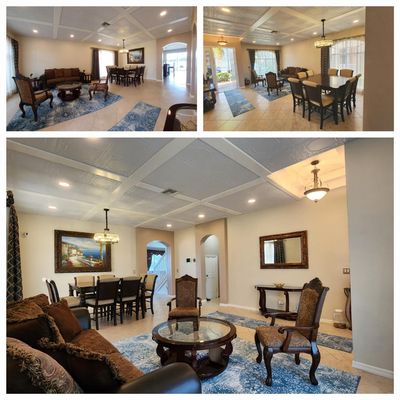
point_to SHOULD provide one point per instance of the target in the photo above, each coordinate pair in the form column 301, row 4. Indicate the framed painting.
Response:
column 136, row 56
column 79, row 252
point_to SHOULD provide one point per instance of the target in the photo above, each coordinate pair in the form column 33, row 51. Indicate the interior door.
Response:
column 211, row 267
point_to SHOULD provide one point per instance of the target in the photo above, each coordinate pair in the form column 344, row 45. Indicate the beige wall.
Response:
column 326, row 226
column 369, row 174
column 37, row 251
column 378, row 112
column 185, row 247
column 143, row 237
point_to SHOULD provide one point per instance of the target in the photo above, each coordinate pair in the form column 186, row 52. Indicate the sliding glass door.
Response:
column 106, row 58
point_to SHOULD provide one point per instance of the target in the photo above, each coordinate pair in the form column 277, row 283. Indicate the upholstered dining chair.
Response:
column 129, row 295
column 273, row 83
column 300, row 338
column 310, row 72
column 28, row 97
column 343, row 97
column 105, row 277
column 354, row 89
column 299, row 97
column 256, row 78
column 188, row 304
column 150, row 285
column 86, row 281
column 332, row 71
column 100, row 86
column 347, row 73
column 72, row 301
column 301, row 75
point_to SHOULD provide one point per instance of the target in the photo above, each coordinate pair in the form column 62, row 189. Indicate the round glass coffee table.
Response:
column 204, row 343
column 69, row 91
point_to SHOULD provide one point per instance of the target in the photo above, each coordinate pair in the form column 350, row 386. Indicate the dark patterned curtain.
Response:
column 252, row 56
column 14, row 44
column 14, row 278
column 95, row 65
column 116, row 58
column 279, row 252
column 278, row 60
column 324, row 60
column 150, row 255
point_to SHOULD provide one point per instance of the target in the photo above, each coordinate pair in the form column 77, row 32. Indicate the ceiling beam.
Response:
column 56, row 21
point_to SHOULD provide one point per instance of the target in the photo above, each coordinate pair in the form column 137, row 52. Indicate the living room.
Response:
column 215, row 199
column 100, row 68
column 336, row 51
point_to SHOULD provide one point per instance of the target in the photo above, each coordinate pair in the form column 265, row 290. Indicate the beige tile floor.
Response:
column 337, row 359
column 156, row 93
column 275, row 115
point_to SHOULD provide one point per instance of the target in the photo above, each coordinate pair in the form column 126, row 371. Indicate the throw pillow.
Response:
column 23, row 310
column 66, row 321
column 38, row 369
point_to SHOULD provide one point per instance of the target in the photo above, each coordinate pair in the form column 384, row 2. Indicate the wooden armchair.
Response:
column 300, row 338
column 29, row 97
column 188, row 305
column 273, row 83
column 100, row 86
column 256, row 78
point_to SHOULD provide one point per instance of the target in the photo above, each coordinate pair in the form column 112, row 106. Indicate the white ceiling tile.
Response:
column 192, row 214
column 150, row 16
column 161, row 223
column 42, row 14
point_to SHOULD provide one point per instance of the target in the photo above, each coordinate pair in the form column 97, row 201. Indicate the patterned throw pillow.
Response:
column 42, row 371
column 23, row 310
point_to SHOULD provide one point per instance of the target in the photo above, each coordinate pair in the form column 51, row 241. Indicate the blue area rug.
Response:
column 237, row 102
column 142, row 117
column 331, row 341
column 262, row 91
column 61, row 111
column 244, row 375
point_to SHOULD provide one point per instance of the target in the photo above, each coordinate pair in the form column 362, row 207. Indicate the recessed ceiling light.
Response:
column 355, row 21
column 71, row 35
column 163, row 13
column 35, row 31
column 277, row 44
column 99, row 40
column 169, row 225
column 221, row 29
column 52, row 207
column 64, row 184
column 201, row 216
column 291, row 39
column 169, row 30
column 314, row 33
column 251, row 201
column 254, row 41
column 226, row 9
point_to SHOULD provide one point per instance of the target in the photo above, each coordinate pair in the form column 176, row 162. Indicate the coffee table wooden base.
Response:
column 69, row 95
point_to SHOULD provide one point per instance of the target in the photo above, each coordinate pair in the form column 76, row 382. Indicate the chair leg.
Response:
column 304, row 108
column 297, row 358
column 151, row 303
column 258, row 345
column 294, row 104
column 341, row 111
column 21, row 106
column 114, row 310
column 96, row 316
column 321, row 113
column 121, row 311
column 316, row 357
column 51, row 101
column 309, row 111
column 268, row 354
column 34, row 109
column 137, row 309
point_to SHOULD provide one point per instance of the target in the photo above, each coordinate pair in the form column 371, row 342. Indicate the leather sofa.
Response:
column 84, row 361
column 291, row 72
column 55, row 76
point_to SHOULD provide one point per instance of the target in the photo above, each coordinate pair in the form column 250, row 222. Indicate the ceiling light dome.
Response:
column 222, row 41
column 323, row 42
column 317, row 191
column 106, row 236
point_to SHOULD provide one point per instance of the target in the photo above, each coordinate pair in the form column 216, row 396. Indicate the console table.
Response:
column 286, row 290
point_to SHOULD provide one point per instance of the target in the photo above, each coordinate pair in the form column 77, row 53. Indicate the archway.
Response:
column 159, row 262
column 175, row 64
column 210, row 264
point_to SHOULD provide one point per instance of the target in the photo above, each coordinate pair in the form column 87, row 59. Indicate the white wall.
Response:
column 37, row 251
column 150, row 58
column 326, row 225
column 211, row 246
column 369, row 171
column 185, row 247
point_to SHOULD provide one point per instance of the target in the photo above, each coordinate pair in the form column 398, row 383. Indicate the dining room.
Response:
column 300, row 68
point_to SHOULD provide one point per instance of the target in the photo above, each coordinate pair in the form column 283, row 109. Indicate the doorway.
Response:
column 159, row 263
column 210, row 251
column 174, row 62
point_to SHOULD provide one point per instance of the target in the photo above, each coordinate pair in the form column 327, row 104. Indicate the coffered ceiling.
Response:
column 212, row 177
column 86, row 24
column 279, row 25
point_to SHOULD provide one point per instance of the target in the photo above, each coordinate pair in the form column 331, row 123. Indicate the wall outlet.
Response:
column 188, row 260
column 346, row 270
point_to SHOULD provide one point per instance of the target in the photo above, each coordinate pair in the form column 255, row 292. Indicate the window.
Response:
column 265, row 61
column 11, row 89
column 349, row 53
column 106, row 58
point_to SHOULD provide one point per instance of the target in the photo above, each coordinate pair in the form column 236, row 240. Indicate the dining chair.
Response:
column 86, row 281
column 105, row 277
column 273, row 83
column 343, row 97
column 310, row 72
column 150, row 284
column 105, row 300
column 300, row 338
column 318, row 102
column 129, row 295
column 301, row 75
column 141, row 73
column 298, row 94
column 72, row 301
column 256, row 78
column 347, row 73
column 354, row 89
column 100, row 86
column 333, row 71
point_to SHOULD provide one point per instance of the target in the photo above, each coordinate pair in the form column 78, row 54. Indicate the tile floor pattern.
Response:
column 337, row 359
column 275, row 115
column 156, row 93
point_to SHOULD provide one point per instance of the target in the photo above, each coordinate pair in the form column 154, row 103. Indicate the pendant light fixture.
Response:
column 123, row 50
column 323, row 42
column 106, row 236
column 318, row 191
column 222, row 41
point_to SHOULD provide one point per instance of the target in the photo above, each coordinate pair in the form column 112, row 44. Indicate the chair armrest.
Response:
column 176, row 378
column 83, row 317
column 289, row 331
column 169, row 304
column 283, row 314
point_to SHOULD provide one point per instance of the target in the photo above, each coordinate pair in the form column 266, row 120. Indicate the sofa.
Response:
column 55, row 76
column 291, row 72
column 52, row 349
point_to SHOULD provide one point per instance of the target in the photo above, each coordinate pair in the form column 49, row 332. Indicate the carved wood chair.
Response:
column 100, row 86
column 273, row 83
column 300, row 338
column 188, row 305
column 256, row 78
column 29, row 97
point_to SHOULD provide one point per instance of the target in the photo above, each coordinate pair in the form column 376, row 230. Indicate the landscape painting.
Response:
column 79, row 252
column 136, row 56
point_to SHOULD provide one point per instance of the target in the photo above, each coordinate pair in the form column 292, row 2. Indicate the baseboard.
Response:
column 386, row 373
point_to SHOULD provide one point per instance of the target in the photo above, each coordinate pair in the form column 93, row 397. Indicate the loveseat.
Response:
column 55, row 76
column 52, row 349
column 291, row 72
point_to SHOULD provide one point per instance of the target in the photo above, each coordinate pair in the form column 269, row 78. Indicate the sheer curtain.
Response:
column 106, row 57
column 349, row 53
column 10, row 85
column 265, row 61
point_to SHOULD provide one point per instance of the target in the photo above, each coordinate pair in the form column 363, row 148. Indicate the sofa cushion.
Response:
column 92, row 340
column 58, row 72
column 67, row 72
column 75, row 72
column 23, row 310
column 35, row 371
column 66, row 321
column 50, row 73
